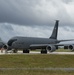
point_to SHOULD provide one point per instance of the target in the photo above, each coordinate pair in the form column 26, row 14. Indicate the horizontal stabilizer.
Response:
column 65, row 40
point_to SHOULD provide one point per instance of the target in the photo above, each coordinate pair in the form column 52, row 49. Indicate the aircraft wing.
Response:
column 45, row 45
column 52, row 47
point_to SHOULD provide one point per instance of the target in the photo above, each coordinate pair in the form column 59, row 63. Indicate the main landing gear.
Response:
column 26, row 51
column 43, row 51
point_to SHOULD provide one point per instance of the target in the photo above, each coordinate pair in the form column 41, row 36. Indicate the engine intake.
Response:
column 51, row 48
column 71, row 47
column 5, row 46
column 11, row 41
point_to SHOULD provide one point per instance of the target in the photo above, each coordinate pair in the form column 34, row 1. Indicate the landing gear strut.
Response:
column 15, row 51
column 43, row 51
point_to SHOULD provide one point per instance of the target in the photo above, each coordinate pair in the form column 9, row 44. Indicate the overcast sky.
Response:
column 36, row 18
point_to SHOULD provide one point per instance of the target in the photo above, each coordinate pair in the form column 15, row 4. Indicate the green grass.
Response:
column 35, row 72
column 36, row 61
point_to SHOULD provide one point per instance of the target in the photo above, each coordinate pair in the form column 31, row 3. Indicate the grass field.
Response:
column 35, row 72
column 36, row 61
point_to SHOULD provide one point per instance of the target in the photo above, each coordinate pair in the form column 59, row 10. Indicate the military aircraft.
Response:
column 45, row 44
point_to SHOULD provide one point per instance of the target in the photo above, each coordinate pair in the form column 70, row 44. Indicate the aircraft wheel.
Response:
column 26, row 51
column 43, row 51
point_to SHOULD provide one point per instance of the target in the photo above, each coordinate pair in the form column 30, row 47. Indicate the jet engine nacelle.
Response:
column 51, row 48
column 71, row 47
column 5, row 46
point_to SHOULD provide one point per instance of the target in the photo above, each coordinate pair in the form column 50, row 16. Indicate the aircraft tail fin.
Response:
column 55, row 30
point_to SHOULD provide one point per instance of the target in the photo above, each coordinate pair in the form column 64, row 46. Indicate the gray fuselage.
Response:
column 25, row 42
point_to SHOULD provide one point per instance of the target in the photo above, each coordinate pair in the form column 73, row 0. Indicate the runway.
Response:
column 35, row 52
column 72, row 53
column 49, row 69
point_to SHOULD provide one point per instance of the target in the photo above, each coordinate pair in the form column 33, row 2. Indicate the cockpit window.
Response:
column 11, row 41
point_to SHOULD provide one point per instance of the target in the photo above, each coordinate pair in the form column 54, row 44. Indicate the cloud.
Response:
column 67, row 1
column 8, row 31
column 36, row 12
column 36, row 18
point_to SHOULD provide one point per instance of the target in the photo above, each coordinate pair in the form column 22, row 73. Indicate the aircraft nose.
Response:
column 11, row 41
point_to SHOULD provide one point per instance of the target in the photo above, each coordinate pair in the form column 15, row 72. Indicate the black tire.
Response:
column 26, row 51
column 43, row 51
